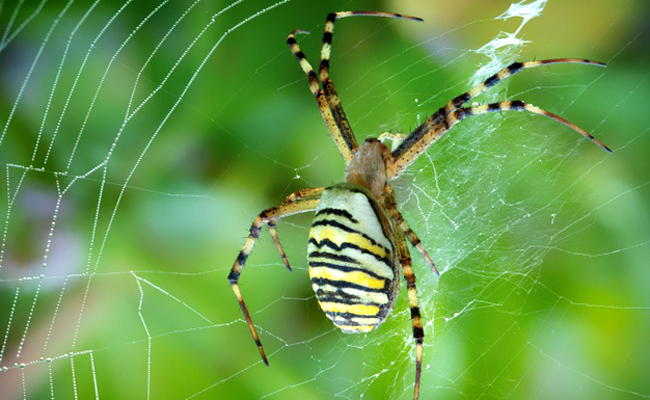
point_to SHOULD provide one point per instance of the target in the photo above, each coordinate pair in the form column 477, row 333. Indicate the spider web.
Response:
column 139, row 140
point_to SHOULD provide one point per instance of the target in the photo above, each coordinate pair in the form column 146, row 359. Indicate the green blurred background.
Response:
column 124, row 215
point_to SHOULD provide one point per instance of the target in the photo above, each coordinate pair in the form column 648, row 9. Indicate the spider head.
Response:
column 368, row 166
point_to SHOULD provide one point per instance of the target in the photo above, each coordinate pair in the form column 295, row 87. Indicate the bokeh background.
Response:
column 122, row 221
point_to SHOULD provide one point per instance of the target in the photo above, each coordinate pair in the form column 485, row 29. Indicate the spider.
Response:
column 358, row 239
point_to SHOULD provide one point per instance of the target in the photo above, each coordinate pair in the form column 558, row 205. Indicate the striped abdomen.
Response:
column 352, row 260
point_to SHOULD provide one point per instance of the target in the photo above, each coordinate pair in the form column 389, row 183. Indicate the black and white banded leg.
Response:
column 298, row 202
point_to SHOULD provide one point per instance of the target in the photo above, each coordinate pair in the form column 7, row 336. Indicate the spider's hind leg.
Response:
column 416, row 317
column 402, row 232
column 400, row 223
column 278, row 246
column 298, row 202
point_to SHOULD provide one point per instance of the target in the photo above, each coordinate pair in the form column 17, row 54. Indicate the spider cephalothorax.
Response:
column 357, row 242
column 368, row 167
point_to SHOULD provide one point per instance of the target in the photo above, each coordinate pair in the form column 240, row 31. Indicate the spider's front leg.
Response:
column 441, row 121
column 327, row 99
column 297, row 202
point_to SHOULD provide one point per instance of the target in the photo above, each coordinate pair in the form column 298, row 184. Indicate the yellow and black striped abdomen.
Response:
column 352, row 260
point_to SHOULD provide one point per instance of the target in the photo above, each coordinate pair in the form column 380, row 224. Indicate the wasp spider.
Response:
column 357, row 242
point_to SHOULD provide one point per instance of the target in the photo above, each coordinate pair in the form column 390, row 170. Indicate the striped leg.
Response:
column 442, row 120
column 416, row 318
column 328, row 85
column 345, row 140
column 298, row 202
column 276, row 241
column 391, row 205
column 510, row 70
column 517, row 105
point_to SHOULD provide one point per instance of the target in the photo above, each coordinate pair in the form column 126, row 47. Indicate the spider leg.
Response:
column 345, row 140
column 297, row 202
column 441, row 122
column 416, row 318
column 395, row 139
column 329, row 31
column 402, row 231
column 517, row 105
column 510, row 70
column 391, row 206
column 328, row 86
column 276, row 240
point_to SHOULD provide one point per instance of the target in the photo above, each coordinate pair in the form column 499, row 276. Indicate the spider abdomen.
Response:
column 352, row 259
